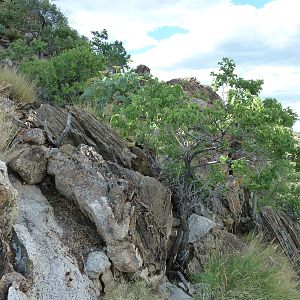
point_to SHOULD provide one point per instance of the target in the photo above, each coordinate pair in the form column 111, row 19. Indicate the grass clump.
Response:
column 259, row 273
column 16, row 86
column 122, row 289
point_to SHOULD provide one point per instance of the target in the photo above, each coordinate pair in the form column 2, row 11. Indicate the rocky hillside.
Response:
column 78, row 209
column 116, row 185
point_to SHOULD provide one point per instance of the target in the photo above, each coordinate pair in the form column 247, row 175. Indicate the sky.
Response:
column 187, row 38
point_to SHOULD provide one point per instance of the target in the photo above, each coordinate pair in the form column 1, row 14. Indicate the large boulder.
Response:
column 41, row 256
column 132, row 212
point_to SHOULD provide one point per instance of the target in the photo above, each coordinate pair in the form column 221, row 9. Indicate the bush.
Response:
column 260, row 272
column 62, row 78
column 21, row 89
column 43, row 72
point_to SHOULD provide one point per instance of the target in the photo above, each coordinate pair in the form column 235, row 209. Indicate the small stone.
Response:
column 34, row 136
column 107, row 279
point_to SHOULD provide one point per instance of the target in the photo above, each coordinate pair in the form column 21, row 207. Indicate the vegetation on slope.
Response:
column 242, row 135
column 259, row 272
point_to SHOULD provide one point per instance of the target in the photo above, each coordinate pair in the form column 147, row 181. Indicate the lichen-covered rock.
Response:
column 132, row 212
column 41, row 256
column 31, row 163
column 85, row 129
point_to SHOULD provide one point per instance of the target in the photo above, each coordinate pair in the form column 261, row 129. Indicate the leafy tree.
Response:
column 241, row 135
column 114, row 53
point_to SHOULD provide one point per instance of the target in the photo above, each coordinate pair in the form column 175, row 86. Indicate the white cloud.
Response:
column 264, row 42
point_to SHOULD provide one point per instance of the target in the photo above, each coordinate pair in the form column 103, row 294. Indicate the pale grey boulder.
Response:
column 132, row 212
column 199, row 227
column 97, row 267
column 96, row 264
column 40, row 253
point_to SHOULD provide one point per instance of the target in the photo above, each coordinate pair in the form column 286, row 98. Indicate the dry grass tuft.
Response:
column 16, row 86
column 131, row 290
column 260, row 272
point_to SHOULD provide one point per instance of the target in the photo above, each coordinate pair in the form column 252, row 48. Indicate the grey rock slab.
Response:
column 199, row 226
column 41, row 255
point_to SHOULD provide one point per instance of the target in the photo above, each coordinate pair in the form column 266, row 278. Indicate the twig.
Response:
column 183, row 280
column 58, row 142
column 66, row 130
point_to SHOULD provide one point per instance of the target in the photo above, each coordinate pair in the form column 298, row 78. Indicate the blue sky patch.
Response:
column 165, row 32
column 140, row 50
column 256, row 3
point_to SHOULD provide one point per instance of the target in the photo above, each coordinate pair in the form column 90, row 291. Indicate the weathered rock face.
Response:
column 31, row 163
column 41, row 256
column 280, row 228
column 132, row 212
column 7, row 213
column 85, row 129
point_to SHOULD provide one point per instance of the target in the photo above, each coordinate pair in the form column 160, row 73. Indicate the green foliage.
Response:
column 44, row 21
column 227, row 77
column 259, row 272
column 44, row 74
column 114, row 53
column 20, row 50
column 243, row 133
column 63, row 78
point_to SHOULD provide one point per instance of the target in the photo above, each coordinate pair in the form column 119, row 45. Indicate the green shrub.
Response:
column 21, row 89
column 73, row 68
column 43, row 72
column 260, row 272
column 62, row 78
